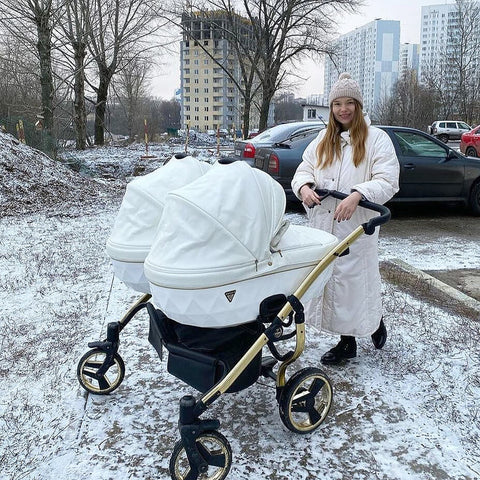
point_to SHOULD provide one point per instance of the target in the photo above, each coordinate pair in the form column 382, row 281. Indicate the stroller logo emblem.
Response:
column 230, row 295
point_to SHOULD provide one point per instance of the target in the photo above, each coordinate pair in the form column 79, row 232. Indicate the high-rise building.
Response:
column 409, row 58
column 210, row 98
column 447, row 36
column 437, row 25
column 371, row 55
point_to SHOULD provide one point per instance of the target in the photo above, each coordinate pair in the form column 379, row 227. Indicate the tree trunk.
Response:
column 100, row 108
column 80, row 115
column 44, row 47
column 267, row 96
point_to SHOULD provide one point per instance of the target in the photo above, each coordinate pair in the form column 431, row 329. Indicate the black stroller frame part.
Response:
column 304, row 399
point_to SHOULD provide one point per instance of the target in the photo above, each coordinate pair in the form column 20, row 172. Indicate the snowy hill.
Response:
column 30, row 182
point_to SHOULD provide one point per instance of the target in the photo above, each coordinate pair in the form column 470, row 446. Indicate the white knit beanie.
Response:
column 345, row 86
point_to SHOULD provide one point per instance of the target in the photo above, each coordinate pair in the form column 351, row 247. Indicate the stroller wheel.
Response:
column 305, row 400
column 93, row 382
column 214, row 449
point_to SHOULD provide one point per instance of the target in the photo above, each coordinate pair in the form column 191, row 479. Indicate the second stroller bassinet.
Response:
column 223, row 247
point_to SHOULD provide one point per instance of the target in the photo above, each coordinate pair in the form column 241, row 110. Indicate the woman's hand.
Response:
column 309, row 197
column 347, row 207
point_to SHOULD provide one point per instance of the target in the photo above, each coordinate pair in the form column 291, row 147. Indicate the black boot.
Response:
column 346, row 348
column 379, row 337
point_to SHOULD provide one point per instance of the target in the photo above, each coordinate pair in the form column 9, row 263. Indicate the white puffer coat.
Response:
column 351, row 302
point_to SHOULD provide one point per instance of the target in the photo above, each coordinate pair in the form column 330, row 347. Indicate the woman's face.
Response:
column 343, row 110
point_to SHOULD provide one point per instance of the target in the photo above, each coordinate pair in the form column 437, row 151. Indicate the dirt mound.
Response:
column 30, row 182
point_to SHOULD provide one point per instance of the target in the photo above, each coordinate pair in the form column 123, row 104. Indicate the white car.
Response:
column 446, row 130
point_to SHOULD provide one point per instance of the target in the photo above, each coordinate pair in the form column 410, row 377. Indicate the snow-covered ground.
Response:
column 409, row 411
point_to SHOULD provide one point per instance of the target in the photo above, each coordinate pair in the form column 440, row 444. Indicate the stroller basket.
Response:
column 201, row 357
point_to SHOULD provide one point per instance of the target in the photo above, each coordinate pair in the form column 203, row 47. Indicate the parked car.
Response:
column 281, row 159
column 430, row 171
column 245, row 149
column 447, row 130
column 470, row 142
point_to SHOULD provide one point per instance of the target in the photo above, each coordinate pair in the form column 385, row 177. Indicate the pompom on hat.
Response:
column 345, row 86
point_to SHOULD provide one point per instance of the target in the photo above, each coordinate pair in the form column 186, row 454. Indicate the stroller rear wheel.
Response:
column 104, row 382
column 214, row 449
column 305, row 400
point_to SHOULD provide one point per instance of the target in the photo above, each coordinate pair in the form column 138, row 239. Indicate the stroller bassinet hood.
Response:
column 218, row 229
column 142, row 207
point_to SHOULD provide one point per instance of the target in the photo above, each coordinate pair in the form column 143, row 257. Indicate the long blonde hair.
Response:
column 329, row 146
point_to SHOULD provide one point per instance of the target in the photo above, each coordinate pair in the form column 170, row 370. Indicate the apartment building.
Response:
column 210, row 98
column 409, row 58
column 437, row 24
column 445, row 35
column 371, row 55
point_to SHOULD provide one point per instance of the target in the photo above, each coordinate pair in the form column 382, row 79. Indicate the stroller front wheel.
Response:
column 214, row 449
column 91, row 376
column 305, row 400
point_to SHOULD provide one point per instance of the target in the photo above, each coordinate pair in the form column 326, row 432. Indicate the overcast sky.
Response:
column 407, row 11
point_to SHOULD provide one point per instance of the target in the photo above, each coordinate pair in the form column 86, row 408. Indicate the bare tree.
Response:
column 74, row 27
column 118, row 31
column 17, row 18
column 281, row 32
column 410, row 104
column 18, row 80
column 464, row 58
column 288, row 30
column 454, row 74
column 131, row 88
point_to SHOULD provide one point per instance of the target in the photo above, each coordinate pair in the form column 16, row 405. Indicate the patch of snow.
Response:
column 408, row 412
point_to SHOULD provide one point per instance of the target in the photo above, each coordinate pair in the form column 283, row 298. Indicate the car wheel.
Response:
column 443, row 137
column 471, row 152
column 475, row 198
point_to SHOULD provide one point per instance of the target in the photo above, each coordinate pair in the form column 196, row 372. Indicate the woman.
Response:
column 354, row 158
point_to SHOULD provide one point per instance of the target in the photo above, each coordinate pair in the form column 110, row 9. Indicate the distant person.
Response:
column 355, row 158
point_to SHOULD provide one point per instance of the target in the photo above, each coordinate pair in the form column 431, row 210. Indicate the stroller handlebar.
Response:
column 369, row 227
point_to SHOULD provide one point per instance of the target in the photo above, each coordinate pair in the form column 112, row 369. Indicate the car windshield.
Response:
column 463, row 125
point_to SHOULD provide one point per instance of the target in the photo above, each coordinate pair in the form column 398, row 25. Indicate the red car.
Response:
column 470, row 142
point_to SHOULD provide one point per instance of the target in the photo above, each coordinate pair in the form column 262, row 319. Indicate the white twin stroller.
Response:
column 208, row 248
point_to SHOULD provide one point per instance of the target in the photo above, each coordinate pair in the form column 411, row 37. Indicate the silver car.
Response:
column 446, row 130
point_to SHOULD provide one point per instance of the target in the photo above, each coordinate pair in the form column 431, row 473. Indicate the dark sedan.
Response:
column 246, row 149
column 430, row 171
